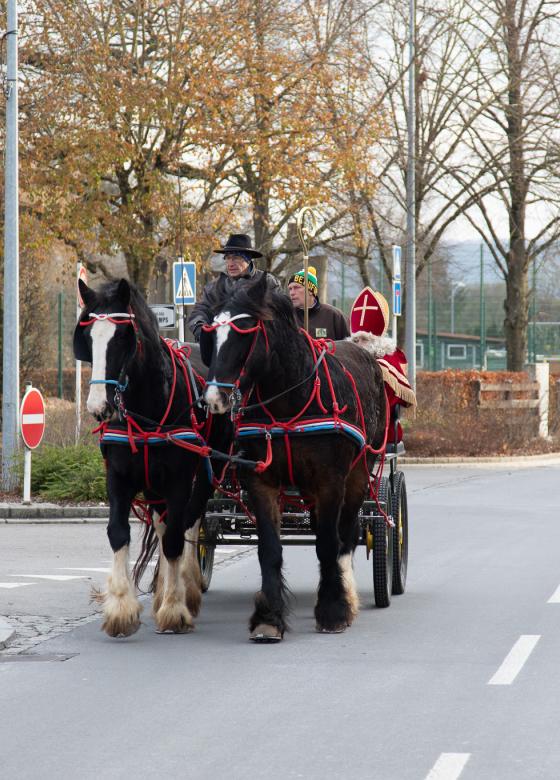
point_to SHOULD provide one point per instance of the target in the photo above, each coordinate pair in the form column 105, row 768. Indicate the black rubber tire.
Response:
column 400, row 534
column 205, row 550
column 382, row 553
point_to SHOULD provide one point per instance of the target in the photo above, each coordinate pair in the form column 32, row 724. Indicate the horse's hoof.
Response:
column 332, row 630
column 264, row 634
column 120, row 628
column 174, row 619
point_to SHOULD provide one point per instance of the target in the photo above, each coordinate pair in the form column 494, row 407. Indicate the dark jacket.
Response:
column 325, row 322
column 203, row 310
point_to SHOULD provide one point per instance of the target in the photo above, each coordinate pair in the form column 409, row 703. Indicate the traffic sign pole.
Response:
column 10, row 357
column 27, row 476
column 396, row 288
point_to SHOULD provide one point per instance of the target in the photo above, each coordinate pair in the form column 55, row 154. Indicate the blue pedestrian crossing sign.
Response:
column 184, row 282
column 397, row 299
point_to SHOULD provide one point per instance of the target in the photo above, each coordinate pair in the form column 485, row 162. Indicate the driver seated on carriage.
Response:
column 240, row 267
column 369, row 321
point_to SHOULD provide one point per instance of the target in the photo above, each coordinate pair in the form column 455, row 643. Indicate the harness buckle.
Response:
column 235, row 399
column 119, row 404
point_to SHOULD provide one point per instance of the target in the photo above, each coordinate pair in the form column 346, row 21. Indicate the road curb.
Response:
column 52, row 512
column 549, row 457
column 7, row 633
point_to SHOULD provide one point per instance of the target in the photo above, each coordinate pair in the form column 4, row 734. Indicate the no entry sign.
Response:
column 32, row 418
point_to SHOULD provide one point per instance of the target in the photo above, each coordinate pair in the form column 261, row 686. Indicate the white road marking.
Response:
column 83, row 568
column 448, row 766
column 55, row 577
column 8, row 585
column 515, row 660
column 555, row 598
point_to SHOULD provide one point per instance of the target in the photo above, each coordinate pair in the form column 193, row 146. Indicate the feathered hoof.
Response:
column 193, row 599
column 264, row 634
column 121, row 618
column 157, row 601
column 174, row 618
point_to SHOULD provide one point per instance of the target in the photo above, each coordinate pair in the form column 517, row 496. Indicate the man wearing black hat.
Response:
column 239, row 256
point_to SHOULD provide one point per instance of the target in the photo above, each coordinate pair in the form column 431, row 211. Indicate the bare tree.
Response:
column 443, row 69
column 514, row 145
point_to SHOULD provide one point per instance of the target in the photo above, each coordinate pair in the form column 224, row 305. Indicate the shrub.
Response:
column 68, row 473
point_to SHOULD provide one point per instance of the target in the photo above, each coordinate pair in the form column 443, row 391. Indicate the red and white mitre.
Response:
column 369, row 320
column 370, row 313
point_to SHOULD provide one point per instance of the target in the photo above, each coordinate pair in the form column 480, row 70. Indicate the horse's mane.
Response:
column 145, row 318
column 274, row 306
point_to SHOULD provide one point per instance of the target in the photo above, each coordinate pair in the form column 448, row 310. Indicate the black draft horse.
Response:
column 137, row 377
column 255, row 350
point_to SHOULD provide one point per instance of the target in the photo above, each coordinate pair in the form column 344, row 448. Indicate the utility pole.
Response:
column 482, row 312
column 10, row 364
column 410, row 337
column 533, row 353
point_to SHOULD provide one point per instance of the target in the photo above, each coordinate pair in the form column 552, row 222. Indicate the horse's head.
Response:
column 234, row 345
column 105, row 336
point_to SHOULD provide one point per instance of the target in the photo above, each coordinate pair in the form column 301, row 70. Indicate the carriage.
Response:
column 304, row 434
column 227, row 523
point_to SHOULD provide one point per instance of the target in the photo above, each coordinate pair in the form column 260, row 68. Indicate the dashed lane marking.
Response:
column 448, row 766
column 84, row 568
column 54, row 577
column 555, row 598
column 515, row 660
column 8, row 585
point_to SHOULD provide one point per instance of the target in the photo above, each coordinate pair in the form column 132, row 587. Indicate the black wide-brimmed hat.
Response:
column 239, row 242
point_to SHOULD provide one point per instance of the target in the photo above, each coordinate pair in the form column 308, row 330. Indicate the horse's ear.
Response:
column 89, row 296
column 257, row 290
column 123, row 291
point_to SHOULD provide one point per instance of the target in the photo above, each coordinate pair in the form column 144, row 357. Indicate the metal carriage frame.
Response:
column 226, row 523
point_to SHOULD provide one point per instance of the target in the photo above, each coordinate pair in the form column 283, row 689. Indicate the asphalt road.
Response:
column 458, row 678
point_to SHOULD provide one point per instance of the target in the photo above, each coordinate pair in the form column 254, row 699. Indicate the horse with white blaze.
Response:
column 146, row 394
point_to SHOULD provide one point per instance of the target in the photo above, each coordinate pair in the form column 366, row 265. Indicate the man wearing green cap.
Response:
column 324, row 320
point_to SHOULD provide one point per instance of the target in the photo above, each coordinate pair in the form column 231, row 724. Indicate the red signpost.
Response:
column 32, row 423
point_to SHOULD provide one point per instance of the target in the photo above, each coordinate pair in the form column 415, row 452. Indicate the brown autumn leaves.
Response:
column 245, row 109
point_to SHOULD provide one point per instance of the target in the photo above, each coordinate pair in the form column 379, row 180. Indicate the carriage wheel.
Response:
column 205, row 549
column 382, row 556
column 400, row 534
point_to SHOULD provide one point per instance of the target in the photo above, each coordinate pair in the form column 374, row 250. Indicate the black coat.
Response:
column 325, row 321
column 203, row 310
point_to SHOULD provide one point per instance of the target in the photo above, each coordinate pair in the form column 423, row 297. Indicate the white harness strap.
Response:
column 217, row 321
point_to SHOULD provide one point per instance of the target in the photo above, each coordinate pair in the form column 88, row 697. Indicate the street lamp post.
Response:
column 10, row 359
column 410, row 201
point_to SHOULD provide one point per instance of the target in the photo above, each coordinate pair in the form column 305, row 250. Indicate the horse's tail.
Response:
column 149, row 545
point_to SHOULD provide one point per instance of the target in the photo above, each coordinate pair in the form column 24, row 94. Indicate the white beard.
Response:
column 376, row 345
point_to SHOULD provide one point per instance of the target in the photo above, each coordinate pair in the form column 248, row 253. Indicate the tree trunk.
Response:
column 517, row 302
column 516, row 306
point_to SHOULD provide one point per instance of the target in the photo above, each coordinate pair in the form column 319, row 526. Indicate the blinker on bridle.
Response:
column 117, row 318
column 235, row 397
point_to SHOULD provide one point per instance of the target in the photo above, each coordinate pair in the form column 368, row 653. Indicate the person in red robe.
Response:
column 369, row 321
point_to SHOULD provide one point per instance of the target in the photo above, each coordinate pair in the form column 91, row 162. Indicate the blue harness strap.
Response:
column 246, row 430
